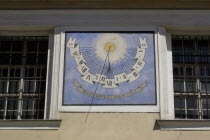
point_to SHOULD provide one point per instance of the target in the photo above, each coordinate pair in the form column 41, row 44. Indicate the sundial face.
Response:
column 111, row 68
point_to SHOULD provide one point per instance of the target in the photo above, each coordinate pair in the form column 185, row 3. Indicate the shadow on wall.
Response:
column 156, row 126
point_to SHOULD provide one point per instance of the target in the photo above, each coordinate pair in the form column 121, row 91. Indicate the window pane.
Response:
column 42, row 59
column 16, row 58
column 189, row 51
column 17, row 46
column 32, row 46
column 31, row 59
column 29, row 86
column 202, row 51
column 5, row 46
column 43, row 46
column 14, row 86
column 4, row 58
column 2, row 107
column 3, row 86
column 12, row 109
column 191, row 72
column 23, row 66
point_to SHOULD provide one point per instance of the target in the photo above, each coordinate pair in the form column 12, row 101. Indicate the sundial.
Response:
column 110, row 67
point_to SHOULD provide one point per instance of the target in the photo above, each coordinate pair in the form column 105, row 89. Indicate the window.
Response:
column 23, row 67
column 191, row 72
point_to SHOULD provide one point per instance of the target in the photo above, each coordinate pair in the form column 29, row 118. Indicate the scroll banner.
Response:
column 100, row 78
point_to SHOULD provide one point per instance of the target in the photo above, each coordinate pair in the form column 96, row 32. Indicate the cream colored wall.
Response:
column 105, row 126
column 109, row 126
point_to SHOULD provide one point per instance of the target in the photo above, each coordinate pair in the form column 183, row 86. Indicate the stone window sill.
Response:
column 184, row 124
column 30, row 124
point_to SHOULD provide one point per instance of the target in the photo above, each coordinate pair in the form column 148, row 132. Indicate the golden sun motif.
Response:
column 109, row 46
column 112, row 43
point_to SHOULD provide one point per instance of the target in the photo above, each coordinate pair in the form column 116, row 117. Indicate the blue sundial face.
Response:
column 112, row 68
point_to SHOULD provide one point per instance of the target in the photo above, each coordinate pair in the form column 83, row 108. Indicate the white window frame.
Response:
column 60, row 49
column 166, row 66
column 51, row 114
column 166, row 75
column 167, row 119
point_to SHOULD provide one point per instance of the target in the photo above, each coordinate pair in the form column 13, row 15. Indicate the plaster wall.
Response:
column 101, row 126
column 105, row 126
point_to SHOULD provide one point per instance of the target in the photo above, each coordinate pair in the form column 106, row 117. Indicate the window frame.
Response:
column 197, row 94
column 51, row 114
column 167, row 120
column 60, row 45
column 21, row 79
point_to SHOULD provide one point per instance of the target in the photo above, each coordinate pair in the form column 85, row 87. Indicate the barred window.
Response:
column 23, row 65
column 191, row 73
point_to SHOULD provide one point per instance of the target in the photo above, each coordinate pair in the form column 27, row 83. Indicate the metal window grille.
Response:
column 191, row 73
column 23, row 64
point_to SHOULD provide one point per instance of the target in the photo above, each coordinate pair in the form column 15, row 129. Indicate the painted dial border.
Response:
column 127, row 32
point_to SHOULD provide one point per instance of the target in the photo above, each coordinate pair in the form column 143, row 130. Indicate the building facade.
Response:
column 37, row 82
